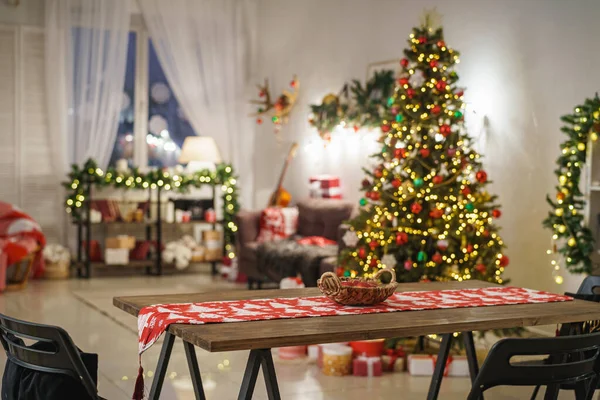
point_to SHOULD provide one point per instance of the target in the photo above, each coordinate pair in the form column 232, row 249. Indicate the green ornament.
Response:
column 260, row 109
column 470, row 207
column 275, row 119
column 422, row 256
column 418, row 182
column 346, row 273
column 458, row 114
column 390, row 101
column 385, row 148
column 363, row 202
column 399, row 117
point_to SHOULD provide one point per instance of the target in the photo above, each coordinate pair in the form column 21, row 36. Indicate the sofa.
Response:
column 316, row 217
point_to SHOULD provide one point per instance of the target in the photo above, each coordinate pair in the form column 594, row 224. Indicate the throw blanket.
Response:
column 285, row 258
column 20, row 235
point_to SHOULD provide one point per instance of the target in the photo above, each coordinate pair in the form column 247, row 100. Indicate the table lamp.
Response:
column 199, row 152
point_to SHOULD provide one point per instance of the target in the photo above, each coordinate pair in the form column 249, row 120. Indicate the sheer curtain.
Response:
column 86, row 49
column 203, row 47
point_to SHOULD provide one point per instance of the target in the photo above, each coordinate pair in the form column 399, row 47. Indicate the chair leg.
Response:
column 535, row 392
column 591, row 388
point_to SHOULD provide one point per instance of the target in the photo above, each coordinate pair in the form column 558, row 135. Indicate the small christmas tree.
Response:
column 426, row 212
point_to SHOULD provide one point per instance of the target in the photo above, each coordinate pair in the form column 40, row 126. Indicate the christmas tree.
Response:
column 426, row 211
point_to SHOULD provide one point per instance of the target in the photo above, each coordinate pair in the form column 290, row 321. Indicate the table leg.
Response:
column 161, row 368
column 471, row 356
column 190, row 354
column 257, row 358
column 440, row 365
column 269, row 374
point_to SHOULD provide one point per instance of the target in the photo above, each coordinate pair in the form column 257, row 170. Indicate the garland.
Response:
column 356, row 105
column 135, row 179
column 566, row 219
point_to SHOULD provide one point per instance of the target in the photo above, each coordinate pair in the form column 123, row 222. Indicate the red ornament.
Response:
column 496, row 213
column 436, row 109
column 445, row 130
column 481, row 176
column 469, row 248
column 422, row 39
column 403, row 81
column 375, row 196
column 226, row 261
column 504, row 261
column 408, row 264
column 356, row 128
column 441, row 43
column 441, row 85
column 404, row 62
column 438, row 179
column 410, row 93
column 396, row 183
column 401, row 238
column 366, row 183
column 378, row 173
column 262, row 93
column 481, row 268
column 362, row 253
column 433, row 63
column 400, row 153
column 466, row 191
column 460, row 93
column 339, row 271
column 424, row 153
column 416, row 208
column 258, row 121
column 385, row 128
column 436, row 258
column 373, row 245
column 436, row 213
column 486, row 233
column 373, row 262
column 293, row 83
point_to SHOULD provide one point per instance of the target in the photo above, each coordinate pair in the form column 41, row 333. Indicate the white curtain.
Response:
column 86, row 53
column 203, row 47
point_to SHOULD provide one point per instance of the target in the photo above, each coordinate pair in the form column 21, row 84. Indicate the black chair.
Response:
column 575, row 360
column 54, row 352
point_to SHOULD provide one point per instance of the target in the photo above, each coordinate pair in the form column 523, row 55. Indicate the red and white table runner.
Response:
column 154, row 320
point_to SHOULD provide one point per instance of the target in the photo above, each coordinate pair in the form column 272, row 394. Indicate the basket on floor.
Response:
column 357, row 291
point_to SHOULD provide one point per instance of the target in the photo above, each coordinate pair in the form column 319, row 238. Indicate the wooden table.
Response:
column 261, row 336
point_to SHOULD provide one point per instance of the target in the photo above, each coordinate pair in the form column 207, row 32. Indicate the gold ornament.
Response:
column 560, row 196
column 572, row 242
column 596, row 114
column 559, row 212
column 581, row 146
column 562, row 228
column 330, row 98
column 564, row 191
column 562, row 179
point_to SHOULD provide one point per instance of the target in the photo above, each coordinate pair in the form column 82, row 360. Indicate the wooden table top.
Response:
column 303, row 331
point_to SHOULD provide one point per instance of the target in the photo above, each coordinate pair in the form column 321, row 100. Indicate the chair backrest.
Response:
column 590, row 285
column 572, row 359
column 64, row 359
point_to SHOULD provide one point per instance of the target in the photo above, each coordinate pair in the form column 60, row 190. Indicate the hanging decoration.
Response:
column 572, row 240
column 278, row 110
column 91, row 174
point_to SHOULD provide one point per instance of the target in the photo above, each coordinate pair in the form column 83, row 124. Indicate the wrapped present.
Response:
column 291, row 283
column 367, row 366
column 116, row 256
column 424, row 364
column 337, row 360
column 292, row 352
column 120, row 242
column 394, row 360
column 325, row 186
column 369, row 348
column 313, row 353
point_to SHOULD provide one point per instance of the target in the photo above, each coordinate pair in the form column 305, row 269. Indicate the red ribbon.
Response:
column 446, row 367
column 393, row 355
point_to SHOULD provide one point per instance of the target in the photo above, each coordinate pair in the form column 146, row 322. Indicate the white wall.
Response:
column 29, row 12
column 524, row 63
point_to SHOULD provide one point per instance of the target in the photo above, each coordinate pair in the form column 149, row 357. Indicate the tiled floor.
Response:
column 84, row 308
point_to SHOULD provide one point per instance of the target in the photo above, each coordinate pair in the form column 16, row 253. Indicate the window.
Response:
column 152, row 126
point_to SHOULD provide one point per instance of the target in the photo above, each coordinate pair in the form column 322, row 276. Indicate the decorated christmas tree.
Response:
column 425, row 210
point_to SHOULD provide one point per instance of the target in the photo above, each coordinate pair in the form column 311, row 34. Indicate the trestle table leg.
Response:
column 161, row 368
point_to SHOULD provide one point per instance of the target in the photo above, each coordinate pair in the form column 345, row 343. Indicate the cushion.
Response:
column 277, row 223
column 322, row 217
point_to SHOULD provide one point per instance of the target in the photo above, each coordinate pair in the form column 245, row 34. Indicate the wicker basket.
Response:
column 347, row 291
column 57, row 270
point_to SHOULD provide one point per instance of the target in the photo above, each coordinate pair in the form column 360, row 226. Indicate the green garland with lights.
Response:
column 566, row 219
column 356, row 105
column 135, row 179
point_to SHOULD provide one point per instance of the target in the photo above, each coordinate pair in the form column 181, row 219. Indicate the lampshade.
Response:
column 199, row 148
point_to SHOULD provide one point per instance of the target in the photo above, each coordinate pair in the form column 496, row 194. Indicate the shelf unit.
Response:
column 591, row 190
column 84, row 265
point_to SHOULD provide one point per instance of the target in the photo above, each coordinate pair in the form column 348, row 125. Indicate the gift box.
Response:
column 367, row 366
column 319, row 349
column 313, row 353
column 292, row 352
column 393, row 360
column 325, row 186
column 116, row 256
column 369, row 348
column 120, row 242
column 424, row 364
column 337, row 360
column 212, row 244
column 291, row 283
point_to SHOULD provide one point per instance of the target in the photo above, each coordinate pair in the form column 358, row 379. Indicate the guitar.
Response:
column 281, row 197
